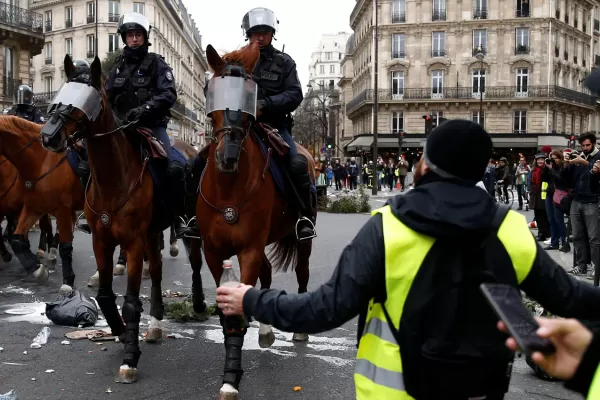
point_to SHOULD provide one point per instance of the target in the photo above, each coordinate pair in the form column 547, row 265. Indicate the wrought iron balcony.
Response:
column 438, row 53
column 398, row 54
column 10, row 86
column 479, row 49
column 480, row 13
column 68, row 23
column 522, row 12
column 113, row 17
column 21, row 18
column 438, row 15
column 48, row 26
column 469, row 93
column 522, row 49
column 91, row 19
column 43, row 98
column 48, row 60
column 398, row 17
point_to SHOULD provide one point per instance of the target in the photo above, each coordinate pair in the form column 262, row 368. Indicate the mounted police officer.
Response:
column 141, row 89
column 24, row 106
column 279, row 95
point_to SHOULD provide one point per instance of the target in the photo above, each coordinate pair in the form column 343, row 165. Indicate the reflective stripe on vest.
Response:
column 378, row 372
column 544, row 190
column 594, row 393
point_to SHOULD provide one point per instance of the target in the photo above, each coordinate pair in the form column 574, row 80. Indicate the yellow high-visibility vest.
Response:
column 544, row 190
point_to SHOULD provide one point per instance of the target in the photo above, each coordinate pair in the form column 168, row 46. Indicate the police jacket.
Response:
column 28, row 112
column 278, row 82
column 140, row 78
column 437, row 209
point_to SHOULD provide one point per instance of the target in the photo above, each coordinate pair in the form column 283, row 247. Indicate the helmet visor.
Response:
column 80, row 96
column 231, row 93
column 259, row 17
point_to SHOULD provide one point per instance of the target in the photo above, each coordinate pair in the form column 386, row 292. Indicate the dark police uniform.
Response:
column 28, row 112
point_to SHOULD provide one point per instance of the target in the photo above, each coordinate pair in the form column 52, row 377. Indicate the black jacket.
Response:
column 28, row 112
column 436, row 208
column 577, row 177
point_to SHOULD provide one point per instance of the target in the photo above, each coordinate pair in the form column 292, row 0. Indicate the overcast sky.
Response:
column 301, row 24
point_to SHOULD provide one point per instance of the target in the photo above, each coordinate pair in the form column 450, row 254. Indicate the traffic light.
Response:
column 400, row 138
column 428, row 123
column 329, row 142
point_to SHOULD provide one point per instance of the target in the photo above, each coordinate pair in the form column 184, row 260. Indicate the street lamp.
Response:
column 480, row 56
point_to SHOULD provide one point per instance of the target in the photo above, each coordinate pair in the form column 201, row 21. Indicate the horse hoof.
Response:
column 266, row 340
column 153, row 335
column 174, row 250
column 146, row 271
column 300, row 337
column 126, row 375
column 41, row 274
column 65, row 290
column 94, row 280
column 201, row 310
column 6, row 257
column 228, row 392
column 119, row 270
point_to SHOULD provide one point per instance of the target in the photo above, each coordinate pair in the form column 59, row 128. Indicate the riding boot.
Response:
column 305, row 227
column 193, row 171
column 83, row 170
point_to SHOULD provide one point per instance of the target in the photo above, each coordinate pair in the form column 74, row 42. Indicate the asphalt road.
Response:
column 190, row 367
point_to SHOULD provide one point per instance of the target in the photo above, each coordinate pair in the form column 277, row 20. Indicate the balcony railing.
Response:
column 438, row 15
column 398, row 17
column 480, row 13
column 91, row 19
column 68, row 23
column 479, row 49
column 469, row 93
column 438, row 53
column 48, row 26
column 48, row 60
column 522, row 12
column 90, row 54
column 398, row 54
column 113, row 17
column 522, row 49
column 10, row 86
column 21, row 18
column 43, row 98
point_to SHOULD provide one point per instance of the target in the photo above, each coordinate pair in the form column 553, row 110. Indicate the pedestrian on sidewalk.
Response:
column 412, row 274
column 402, row 171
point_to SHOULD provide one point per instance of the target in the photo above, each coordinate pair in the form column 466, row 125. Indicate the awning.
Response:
column 360, row 143
column 365, row 143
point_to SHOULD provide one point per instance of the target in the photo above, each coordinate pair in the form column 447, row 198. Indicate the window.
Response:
column 437, row 84
column 48, row 52
column 398, row 11
column 479, row 41
column 69, row 46
column 397, row 85
column 8, row 62
column 522, row 41
column 113, row 43
column 480, row 9
column 522, row 81
column 478, row 83
column 398, row 45
column 331, row 83
column 520, row 121
column 397, row 121
column 522, row 10
column 328, row 55
column 321, row 69
column 439, row 10
column 332, row 69
column 68, row 17
column 48, row 84
column 90, row 39
column 114, row 10
column 436, row 116
column 438, row 44
column 48, row 19
column 91, row 12
column 479, row 117
column 139, row 8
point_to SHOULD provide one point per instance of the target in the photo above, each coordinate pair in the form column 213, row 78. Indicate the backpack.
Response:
column 451, row 348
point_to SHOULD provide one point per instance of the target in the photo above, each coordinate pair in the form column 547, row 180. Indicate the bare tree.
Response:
column 310, row 120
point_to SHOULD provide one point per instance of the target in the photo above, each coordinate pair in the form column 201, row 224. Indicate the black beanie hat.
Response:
column 459, row 149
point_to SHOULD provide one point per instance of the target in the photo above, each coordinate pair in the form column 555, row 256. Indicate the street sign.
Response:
column 323, row 150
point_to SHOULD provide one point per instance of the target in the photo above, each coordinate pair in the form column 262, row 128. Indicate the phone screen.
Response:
column 506, row 302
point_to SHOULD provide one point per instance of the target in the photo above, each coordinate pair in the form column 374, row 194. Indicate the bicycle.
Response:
column 499, row 194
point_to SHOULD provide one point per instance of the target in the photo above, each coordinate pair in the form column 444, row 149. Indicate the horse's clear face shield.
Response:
column 70, row 97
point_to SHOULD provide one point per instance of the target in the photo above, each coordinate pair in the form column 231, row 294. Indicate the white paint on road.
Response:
column 16, row 290
column 34, row 313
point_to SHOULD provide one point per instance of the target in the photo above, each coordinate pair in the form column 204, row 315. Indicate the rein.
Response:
column 10, row 187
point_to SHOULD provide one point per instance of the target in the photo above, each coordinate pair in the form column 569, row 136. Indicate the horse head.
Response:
column 231, row 102
column 77, row 104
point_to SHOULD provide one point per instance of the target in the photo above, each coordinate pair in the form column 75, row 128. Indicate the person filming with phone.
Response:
column 412, row 276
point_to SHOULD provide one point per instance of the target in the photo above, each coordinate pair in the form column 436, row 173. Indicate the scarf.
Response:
column 536, row 176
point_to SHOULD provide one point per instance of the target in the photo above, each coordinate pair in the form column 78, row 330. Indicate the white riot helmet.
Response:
column 258, row 20
column 134, row 21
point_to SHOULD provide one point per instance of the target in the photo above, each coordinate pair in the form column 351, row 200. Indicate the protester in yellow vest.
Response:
column 577, row 356
column 412, row 274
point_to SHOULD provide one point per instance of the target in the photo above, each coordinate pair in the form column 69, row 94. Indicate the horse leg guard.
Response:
column 65, row 250
column 132, row 311
column 22, row 250
column 43, row 245
column 106, row 300
column 232, row 373
column 157, row 308
column 198, row 298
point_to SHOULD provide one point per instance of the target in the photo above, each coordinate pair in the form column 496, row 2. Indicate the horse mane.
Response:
column 12, row 123
column 247, row 57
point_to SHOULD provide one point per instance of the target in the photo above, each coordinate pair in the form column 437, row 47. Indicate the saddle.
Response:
column 155, row 149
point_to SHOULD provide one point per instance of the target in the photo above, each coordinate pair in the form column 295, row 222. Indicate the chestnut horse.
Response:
column 11, row 204
column 240, row 212
column 119, row 204
column 49, row 187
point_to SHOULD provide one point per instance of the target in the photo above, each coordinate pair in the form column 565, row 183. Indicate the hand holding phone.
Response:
column 506, row 302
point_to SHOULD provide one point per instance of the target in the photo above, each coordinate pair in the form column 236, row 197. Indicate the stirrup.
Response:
column 185, row 231
column 82, row 227
column 312, row 226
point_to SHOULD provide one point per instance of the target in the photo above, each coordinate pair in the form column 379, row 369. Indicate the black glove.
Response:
column 263, row 105
column 138, row 113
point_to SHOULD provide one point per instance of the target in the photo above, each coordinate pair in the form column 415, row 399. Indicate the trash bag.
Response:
column 72, row 310
column 8, row 396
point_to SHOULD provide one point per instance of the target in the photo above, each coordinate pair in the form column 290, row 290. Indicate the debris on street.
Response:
column 65, row 343
column 297, row 388
column 8, row 396
column 49, row 371
column 183, row 311
column 73, row 310
column 89, row 334
column 178, row 336
column 41, row 338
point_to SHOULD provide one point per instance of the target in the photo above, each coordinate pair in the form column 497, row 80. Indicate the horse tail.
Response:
column 284, row 253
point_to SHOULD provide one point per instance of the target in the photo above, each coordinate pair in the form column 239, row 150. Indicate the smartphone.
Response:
column 506, row 302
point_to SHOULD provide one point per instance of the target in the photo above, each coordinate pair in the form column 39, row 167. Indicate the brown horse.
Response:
column 11, row 204
column 240, row 212
column 119, row 204
column 49, row 187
